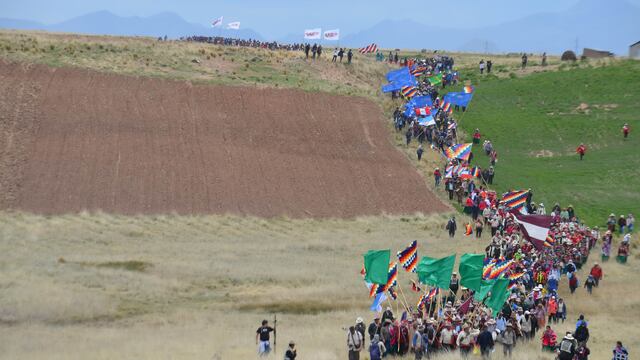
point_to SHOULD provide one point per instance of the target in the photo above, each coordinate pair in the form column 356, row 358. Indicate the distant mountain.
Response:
column 612, row 25
column 20, row 24
column 107, row 23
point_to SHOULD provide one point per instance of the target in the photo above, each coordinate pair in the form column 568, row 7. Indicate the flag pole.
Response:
column 275, row 334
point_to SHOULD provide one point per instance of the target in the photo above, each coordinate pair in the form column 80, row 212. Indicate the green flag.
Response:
column 485, row 288
column 435, row 80
column 436, row 272
column 376, row 266
column 471, row 270
column 499, row 294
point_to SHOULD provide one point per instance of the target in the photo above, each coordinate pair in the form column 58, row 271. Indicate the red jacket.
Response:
column 596, row 272
column 581, row 149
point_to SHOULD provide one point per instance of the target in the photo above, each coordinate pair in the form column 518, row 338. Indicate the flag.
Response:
column 393, row 293
column 452, row 125
column 485, row 288
column 418, row 71
column 428, row 297
column 233, row 25
column 488, row 266
column 369, row 49
column 445, row 106
column 435, row 80
column 436, row 272
column 549, row 241
column 313, row 34
column 516, row 276
column 376, row 306
column 423, row 111
column 464, row 307
column 217, row 22
column 376, row 264
column 426, row 121
column 332, row 34
column 409, row 257
column 394, row 75
column 392, row 276
column 515, row 199
column 500, row 268
column 476, row 172
column 470, row 269
column 499, row 294
column 409, row 91
column 415, row 286
column 535, row 228
column 468, row 229
column 458, row 98
column 467, row 89
column 459, row 151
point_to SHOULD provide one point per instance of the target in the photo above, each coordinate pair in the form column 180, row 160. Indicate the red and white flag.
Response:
column 423, row 111
column 217, row 22
column 233, row 25
column 332, row 34
column 369, row 49
column 535, row 227
column 313, row 34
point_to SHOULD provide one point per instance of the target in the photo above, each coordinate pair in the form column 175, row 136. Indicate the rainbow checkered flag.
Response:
column 409, row 257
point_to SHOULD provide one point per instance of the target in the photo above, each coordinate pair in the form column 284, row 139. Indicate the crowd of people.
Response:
column 534, row 311
column 219, row 40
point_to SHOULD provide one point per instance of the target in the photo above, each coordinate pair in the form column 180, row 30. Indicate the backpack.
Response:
column 374, row 351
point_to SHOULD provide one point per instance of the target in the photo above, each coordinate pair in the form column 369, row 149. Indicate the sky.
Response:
column 278, row 18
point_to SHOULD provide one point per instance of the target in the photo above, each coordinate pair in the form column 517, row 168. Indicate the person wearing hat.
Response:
column 549, row 339
column 355, row 343
column 454, row 283
column 596, row 272
column 623, row 249
column 291, row 352
column 464, row 341
column 508, row 340
column 437, row 176
column 485, row 341
column 568, row 347
column 361, row 329
column 419, row 342
column 625, row 130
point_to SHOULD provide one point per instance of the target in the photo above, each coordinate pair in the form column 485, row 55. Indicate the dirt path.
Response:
column 74, row 140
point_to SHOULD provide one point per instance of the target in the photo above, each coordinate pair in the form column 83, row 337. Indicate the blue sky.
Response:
column 276, row 18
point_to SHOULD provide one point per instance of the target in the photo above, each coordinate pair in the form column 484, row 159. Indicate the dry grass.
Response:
column 102, row 286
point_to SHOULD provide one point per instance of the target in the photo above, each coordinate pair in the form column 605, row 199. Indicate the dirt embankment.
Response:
column 73, row 140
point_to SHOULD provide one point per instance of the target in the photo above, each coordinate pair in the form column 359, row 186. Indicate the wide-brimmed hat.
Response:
column 568, row 336
column 359, row 320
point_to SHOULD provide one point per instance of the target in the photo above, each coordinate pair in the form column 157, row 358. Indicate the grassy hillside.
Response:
column 196, row 287
column 536, row 122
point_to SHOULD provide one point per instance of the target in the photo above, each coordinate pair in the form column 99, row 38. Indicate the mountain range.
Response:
column 610, row 25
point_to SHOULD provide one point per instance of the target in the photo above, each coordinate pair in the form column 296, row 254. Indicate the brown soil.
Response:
column 74, row 140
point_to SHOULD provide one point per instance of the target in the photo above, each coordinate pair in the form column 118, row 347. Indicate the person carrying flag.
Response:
column 581, row 150
column 262, row 338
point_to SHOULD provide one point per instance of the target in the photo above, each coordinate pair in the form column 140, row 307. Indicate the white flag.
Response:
column 313, row 34
column 233, row 25
column 332, row 34
column 217, row 22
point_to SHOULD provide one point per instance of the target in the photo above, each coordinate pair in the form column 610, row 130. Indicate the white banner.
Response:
column 313, row 34
column 217, row 22
column 332, row 34
column 233, row 25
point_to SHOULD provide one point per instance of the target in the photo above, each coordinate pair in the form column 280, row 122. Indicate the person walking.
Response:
column 524, row 61
column 377, row 348
column 590, row 283
column 291, row 352
column 481, row 66
column 349, row 56
column 489, row 65
column 341, row 54
column 582, row 332
column 479, row 226
column 374, row 328
column 625, row 130
column 451, row 226
column 262, row 338
column 485, row 341
column 581, row 150
column 419, row 152
column 630, row 221
column 354, row 343
column 419, row 343
column 622, row 224
column 597, row 273
column 335, row 55
column 620, row 352
column 437, row 175
column 568, row 347
column 508, row 339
